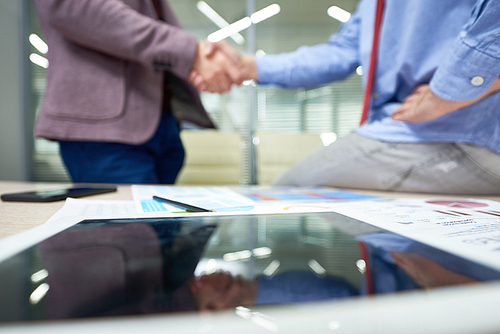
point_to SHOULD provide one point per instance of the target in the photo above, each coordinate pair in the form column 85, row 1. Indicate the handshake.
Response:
column 218, row 66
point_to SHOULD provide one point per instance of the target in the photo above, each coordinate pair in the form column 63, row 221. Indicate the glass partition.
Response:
column 333, row 109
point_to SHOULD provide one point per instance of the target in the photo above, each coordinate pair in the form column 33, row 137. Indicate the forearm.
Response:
column 307, row 66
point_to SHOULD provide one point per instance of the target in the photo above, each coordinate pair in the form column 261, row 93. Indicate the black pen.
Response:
column 184, row 206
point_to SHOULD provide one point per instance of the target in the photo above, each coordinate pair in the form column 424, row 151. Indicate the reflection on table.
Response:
column 158, row 265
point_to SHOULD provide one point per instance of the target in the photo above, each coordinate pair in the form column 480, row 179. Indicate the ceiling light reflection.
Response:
column 39, row 60
column 249, row 83
column 328, row 138
column 264, row 322
column 272, row 268
column 39, row 276
column 265, row 13
column 218, row 20
column 333, row 325
column 316, row 267
column 244, row 23
column 211, row 266
column 260, row 53
column 231, row 29
column 38, row 43
column 243, row 312
column 261, row 253
column 237, row 256
column 38, row 294
column 339, row 14
column 257, row 318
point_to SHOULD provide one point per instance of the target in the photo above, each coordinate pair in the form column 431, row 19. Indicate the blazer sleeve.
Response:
column 114, row 28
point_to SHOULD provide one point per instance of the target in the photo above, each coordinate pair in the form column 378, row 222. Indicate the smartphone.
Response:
column 54, row 194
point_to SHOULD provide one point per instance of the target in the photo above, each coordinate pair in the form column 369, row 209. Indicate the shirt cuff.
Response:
column 465, row 74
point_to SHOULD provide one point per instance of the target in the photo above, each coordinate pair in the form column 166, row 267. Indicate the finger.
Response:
column 197, row 81
column 222, row 80
column 209, row 48
column 214, row 86
column 402, row 114
column 224, row 84
column 193, row 75
column 422, row 88
column 413, row 97
column 200, row 84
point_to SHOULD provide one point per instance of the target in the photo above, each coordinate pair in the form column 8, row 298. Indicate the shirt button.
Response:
column 477, row 80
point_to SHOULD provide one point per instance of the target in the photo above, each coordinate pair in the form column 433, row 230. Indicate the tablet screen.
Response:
column 160, row 265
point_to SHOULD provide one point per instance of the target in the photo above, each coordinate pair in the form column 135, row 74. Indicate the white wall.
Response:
column 15, row 126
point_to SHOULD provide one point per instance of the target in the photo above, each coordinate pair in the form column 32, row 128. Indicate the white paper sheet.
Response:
column 468, row 228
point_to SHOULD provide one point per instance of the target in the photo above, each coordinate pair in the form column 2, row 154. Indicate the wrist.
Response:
column 495, row 87
column 197, row 57
column 249, row 68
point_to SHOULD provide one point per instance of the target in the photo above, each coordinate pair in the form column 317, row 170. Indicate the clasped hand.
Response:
column 218, row 66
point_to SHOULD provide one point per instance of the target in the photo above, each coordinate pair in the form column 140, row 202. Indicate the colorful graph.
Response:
column 468, row 205
column 459, row 204
column 311, row 194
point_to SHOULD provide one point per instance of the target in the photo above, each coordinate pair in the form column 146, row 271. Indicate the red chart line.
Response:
column 446, row 213
column 489, row 213
column 461, row 213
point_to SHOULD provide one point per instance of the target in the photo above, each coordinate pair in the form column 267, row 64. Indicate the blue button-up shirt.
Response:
column 452, row 44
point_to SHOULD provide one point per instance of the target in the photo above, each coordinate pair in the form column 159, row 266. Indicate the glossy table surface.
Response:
column 469, row 308
column 18, row 217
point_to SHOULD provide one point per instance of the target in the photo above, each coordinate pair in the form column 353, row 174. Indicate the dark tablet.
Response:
column 109, row 267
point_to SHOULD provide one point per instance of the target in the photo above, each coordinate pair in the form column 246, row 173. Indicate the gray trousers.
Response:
column 358, row 162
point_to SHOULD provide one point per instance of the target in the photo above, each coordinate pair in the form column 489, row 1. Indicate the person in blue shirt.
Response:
column 434, row 119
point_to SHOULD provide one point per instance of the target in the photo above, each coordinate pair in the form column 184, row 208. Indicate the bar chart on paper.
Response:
column 211, row 198
column 302, row 194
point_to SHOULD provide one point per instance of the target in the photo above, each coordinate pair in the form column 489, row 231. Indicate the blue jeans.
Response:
column 157, row 161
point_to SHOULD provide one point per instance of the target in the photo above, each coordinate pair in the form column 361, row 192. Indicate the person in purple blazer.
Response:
column 117, row 88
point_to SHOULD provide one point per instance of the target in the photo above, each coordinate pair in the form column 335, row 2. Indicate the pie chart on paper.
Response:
column 459, row 204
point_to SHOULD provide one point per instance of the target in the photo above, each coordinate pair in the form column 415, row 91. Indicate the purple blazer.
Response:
column 105, row 75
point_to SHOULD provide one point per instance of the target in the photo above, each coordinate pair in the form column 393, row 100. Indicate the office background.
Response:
column 331, row 111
